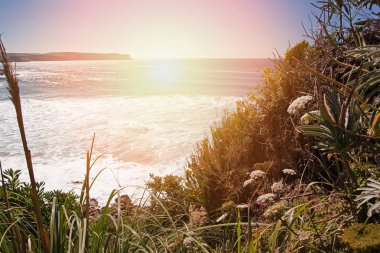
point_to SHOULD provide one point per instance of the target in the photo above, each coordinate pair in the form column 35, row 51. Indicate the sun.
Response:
column 165, row 75
column 165, row 72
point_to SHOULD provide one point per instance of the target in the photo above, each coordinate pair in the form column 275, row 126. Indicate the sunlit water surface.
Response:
column 147, row 116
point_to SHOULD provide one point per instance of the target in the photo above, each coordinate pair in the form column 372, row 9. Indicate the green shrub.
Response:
column 168, row 193
column 18, row 194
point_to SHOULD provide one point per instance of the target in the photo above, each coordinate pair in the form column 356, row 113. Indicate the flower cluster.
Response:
column 289, row 172
column 266, row 197
column 298, row 105
column 277, row 187
column 248, row 182
column 256, row 174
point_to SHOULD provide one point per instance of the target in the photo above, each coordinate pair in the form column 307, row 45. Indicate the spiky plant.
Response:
column 370, row 195
column 350, row 104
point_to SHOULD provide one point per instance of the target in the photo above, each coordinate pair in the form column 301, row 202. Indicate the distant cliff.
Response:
column 65, row 56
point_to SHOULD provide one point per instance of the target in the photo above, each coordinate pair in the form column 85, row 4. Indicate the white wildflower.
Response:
column 289, row 172
column 248, row 182
column 257, row 174
column 277, row 187
column 309, row 117
column 298, row 105
column 242, row 206
column 266, row 197
column 222, row 217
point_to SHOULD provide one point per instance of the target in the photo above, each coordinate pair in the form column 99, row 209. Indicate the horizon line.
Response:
column 158, row 58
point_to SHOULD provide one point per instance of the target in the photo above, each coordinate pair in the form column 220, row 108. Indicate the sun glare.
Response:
column 165, row 75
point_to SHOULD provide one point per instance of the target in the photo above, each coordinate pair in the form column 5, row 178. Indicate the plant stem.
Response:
column 351, row 174
column 14, row 92
column 88, row 158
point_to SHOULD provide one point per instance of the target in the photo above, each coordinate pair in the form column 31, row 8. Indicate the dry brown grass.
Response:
column 14, row 92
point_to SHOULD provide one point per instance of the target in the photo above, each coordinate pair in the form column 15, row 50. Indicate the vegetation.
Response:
column 295, row 168
column 363, row 237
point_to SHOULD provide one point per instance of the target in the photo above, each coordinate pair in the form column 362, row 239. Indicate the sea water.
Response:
column 147, row 116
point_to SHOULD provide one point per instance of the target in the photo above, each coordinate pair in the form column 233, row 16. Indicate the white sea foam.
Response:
column 136, row 134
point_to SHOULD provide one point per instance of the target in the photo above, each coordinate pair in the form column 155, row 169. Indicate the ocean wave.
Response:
column 145, row 122
column 137, row 134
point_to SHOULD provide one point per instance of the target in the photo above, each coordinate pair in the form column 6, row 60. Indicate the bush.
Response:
column 260, row 130
column 18, row 195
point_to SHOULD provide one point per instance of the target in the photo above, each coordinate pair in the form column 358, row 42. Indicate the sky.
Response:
column 155, row 28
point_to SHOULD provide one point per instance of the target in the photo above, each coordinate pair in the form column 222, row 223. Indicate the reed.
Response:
column 14, row 92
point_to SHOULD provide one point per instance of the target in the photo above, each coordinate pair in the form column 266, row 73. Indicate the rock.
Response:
column 94, row 209
column 125, row 202
column 126, row 206
column 94, row 202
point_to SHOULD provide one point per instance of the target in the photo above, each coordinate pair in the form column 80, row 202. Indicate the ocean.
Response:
column 147, row 116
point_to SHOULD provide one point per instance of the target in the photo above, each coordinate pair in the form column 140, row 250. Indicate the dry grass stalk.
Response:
column 14, row 92
column 87, row 195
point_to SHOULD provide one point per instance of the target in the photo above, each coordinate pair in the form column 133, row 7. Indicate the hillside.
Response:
column 66, row 56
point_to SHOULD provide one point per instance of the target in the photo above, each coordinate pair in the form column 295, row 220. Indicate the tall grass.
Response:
column 14, row 92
